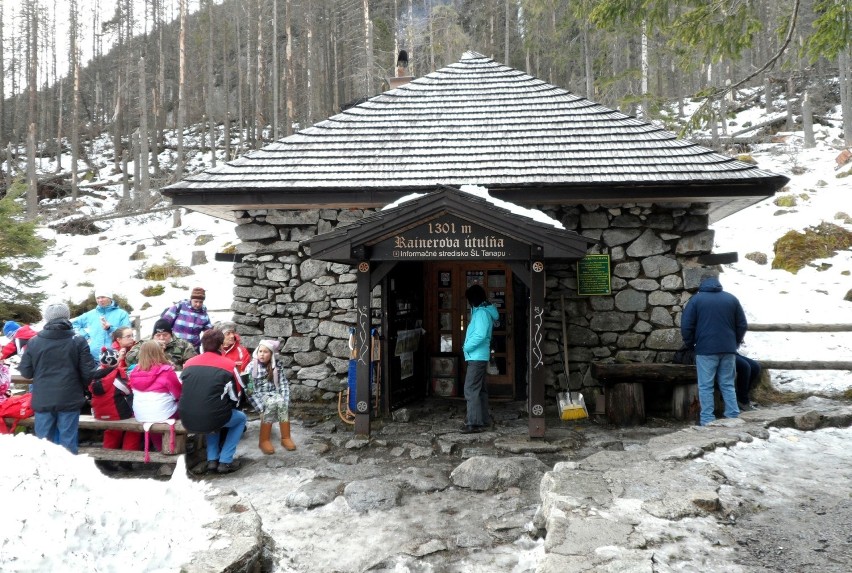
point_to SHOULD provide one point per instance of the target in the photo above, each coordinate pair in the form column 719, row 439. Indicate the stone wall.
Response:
column 280, row 293
column 652, row 248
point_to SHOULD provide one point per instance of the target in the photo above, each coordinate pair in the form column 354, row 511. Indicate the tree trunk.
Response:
column 58, row 168
column 32, row 117
column 290, row 81
column 75, row 107
column 808, row 122
column 181, row 115
column 368, row 50
column 625, row 404
column 275, row 75
column 260, row 92
column 309, row 47
column 210, row 87
column 844, row 60
column 143, row 157
column 3, row 138
column 125, row 180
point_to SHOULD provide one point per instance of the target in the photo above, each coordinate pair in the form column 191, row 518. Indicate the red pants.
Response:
column 118, row 439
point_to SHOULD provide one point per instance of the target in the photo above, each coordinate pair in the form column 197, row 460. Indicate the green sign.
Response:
column 593, row 276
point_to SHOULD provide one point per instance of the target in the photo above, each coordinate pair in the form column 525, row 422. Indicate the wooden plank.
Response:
column 805, row 364
column 611, row 373
column 126, row 455
column 800, row 327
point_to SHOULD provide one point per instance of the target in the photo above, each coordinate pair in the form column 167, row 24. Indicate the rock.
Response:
column 198, row 258
column 807, row 421
column 483, row 473
column 315, row 493
column 422, row 480
column 375, row 493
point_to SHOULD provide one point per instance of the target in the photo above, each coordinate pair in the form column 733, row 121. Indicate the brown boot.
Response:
column 265, row 444
column 285, row 436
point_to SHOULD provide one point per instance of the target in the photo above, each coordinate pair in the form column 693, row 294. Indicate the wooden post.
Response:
column 625, row 404
column 362, row 342
column 684, row 401
column 535, row 394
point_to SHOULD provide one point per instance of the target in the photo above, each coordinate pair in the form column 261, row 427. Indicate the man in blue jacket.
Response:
column 98, row 324
column 714, row 324
column 477, row 352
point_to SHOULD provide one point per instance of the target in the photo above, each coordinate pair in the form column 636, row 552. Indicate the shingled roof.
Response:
column 478, row 122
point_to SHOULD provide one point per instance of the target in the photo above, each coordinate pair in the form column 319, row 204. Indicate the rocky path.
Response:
column 420, row 496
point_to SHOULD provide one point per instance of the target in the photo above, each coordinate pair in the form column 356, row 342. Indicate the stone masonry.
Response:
column 281, row 293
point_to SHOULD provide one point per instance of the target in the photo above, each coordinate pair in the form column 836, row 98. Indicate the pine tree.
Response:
column 20, row 249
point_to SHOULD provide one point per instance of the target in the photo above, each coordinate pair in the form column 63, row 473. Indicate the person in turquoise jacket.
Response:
column 98, row 324
column 477, row 352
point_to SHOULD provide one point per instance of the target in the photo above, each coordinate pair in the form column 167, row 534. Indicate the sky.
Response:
column 76, row 517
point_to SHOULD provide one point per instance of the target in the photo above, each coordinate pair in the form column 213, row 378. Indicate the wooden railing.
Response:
column 803, row 364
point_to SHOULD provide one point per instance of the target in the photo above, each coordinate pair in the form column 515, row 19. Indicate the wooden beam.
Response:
column 800, row 327
column 537, row 376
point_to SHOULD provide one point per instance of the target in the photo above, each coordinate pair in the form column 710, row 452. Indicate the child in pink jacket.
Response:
column 156, row 388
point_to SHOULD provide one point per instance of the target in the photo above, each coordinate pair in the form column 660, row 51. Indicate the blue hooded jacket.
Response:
column 88, row 325
column 713, row 321
column 477, row 340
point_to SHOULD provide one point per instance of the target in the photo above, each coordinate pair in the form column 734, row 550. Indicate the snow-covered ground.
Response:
column 70, row 517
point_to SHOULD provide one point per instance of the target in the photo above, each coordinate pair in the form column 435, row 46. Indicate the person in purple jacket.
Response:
column 714, row 324
column 189, row 317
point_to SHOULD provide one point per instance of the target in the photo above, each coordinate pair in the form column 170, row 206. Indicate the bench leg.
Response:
column 685, row 404
column 625, row 404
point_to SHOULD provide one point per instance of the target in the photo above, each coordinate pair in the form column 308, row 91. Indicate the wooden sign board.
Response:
column 448, row 237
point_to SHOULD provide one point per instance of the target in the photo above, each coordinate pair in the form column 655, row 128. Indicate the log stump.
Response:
column 685, row 405
column 625, row 404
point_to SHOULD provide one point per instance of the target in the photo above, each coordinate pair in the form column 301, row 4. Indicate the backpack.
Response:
column 17, row 408
column 178, row 305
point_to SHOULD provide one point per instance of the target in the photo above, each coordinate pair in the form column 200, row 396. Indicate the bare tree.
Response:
column 143, row 159
column 290, row 80
column 32, row 91
column 75, row 97
column 181, row 115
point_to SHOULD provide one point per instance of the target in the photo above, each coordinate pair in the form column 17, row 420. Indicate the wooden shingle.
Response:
column 478, row 122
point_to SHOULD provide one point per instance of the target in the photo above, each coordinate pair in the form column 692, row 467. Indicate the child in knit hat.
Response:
column 269, row 393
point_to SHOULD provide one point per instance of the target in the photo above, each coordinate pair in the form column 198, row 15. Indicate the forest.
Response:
column 149, row 72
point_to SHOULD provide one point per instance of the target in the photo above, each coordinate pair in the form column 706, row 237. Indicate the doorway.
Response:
column 446, row 316
column 403, row 347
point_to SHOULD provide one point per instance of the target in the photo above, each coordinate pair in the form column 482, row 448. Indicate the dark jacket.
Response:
column 208, row 397
column 60, row 366
column 178, row 351
column 713, row 321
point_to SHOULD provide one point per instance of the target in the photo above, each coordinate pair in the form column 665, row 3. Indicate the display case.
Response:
column 444, row 373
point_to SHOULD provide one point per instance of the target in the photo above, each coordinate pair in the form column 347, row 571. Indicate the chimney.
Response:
column 402, row 76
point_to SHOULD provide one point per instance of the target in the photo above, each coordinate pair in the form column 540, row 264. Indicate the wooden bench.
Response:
column 624, row 385
column 129, row 425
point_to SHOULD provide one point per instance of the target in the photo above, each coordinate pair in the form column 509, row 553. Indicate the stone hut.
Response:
column 642, row 198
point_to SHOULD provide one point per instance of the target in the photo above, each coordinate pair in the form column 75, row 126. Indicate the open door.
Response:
column 447, row 314
column 403, row 352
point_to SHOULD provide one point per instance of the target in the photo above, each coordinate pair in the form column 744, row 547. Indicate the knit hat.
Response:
column 271, row 345
column 101, row 290
column 226, row 326
column 55, row 311
column 10, row 328
column 198, row 293
column 162, row 325
column 108, row 357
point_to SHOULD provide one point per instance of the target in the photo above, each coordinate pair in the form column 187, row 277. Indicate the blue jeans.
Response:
column 229, row 448
column 712, row 368
column 476, row 393
column 59, row 427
